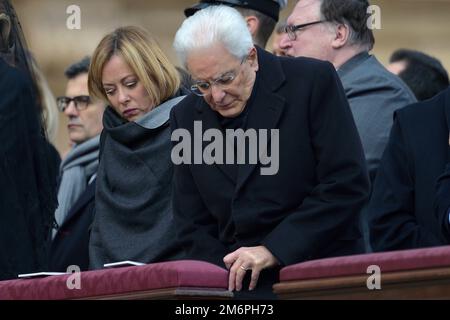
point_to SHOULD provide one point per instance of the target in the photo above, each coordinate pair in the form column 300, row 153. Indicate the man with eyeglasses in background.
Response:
column 338, row 31
column 70, row 235
column 277, row 35
column 230, row 213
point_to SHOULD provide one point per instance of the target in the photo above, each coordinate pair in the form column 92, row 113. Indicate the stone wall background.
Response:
column 416, row 24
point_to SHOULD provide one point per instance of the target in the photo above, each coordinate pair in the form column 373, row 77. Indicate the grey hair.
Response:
column 210, row 26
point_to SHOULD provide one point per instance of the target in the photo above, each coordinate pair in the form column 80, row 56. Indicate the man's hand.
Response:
column 244, row 259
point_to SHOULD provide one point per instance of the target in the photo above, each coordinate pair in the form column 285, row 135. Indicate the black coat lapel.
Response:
column 267, row 106
column 447, row 115
column 265, row 114
column 209, row 120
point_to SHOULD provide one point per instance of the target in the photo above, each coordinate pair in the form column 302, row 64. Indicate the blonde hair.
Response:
column 144, row 56
column 49, row 109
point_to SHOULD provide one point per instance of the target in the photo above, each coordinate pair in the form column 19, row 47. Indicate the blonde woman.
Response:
column 133, row 219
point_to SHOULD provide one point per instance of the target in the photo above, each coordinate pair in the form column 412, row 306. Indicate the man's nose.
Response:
column 217, row 93
column 284, row 41
column 71, row 109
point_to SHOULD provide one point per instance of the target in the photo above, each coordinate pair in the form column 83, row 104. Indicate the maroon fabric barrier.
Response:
column 357, row 264
column 175, row 274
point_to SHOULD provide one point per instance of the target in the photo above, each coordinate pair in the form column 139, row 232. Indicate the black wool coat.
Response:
column 310, row 207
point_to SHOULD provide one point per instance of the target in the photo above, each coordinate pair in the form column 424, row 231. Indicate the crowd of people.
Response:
column 361, row 151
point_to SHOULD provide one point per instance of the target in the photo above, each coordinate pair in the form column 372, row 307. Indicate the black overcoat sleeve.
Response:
column 442, row 202
column 393, row 223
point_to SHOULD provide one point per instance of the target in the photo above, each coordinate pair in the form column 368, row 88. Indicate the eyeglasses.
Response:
column 291, row 30
column 81, row 102
column 202, row 88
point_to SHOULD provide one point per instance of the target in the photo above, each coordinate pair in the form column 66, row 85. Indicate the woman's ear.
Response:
column 5, row 30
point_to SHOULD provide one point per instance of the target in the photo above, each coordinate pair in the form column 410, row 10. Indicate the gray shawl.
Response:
column 133, row 219
column 77, row 168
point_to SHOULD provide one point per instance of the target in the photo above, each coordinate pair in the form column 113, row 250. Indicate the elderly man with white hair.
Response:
column 255, row 214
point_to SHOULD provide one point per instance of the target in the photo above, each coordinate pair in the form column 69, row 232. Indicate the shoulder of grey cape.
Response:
column 159, row 116
column 282, row 3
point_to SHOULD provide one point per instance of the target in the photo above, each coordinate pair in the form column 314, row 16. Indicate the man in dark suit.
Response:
column 235, row 213
column 401, row 206
column 74, row 214
column 338, row 31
